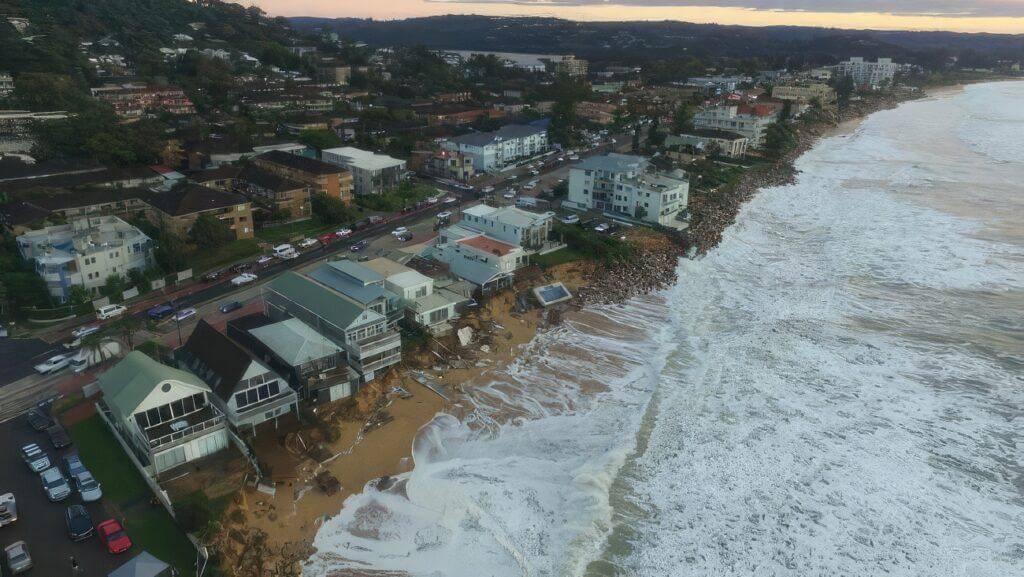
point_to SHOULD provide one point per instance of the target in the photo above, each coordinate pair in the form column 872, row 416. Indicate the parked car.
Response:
column 244, row 278
column 213, row 275
column 18, row 559
column 307, row 242
column 400, row 231
column 343, row 233
column 375, row 219
column 160, row 312
column 86, row 358
column 38, row 420
column 444, row 215
column 73, row 465
column 601, row 228
column 78, row 522
column 404, row 237
column 53, row 364
column 264, row 260
column 228, row 307
column 570, row 219
column 82, row 331
column 110, row 311
column 35, row 457
column 8, row 509
column 433, row 199
column 113, row 536
column 450, row 200
column 59, row 438
column 359, row 246
column 242, row 266
column 285, row 251
column 72, row 344
column 55, row 485
column 88, row 487
column 184, row 314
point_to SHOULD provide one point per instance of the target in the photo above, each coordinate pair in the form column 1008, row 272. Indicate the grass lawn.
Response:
column 205, row 260
column 149, row 526
column 560, row 256
column 307, row 228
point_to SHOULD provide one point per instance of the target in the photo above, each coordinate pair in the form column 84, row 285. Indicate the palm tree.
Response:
column 93, row 343
column 129, row 325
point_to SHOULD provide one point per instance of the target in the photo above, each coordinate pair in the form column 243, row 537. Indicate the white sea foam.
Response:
column 835, row 390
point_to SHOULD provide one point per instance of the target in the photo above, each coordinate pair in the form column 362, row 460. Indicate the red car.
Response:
column 113, row 536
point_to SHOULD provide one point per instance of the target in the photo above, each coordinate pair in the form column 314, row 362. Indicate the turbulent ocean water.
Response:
column 837, row 389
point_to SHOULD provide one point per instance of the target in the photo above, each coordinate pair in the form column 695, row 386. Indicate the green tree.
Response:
column 128, row 325
column 319, row 139
column 779, row 139
column 329, row 210
column 93, row 343
column 170, row 251
column 113, row 287
column 209, row 232
column 78, row 295
column 682, row 120
column 655, row 137
column 44, row 91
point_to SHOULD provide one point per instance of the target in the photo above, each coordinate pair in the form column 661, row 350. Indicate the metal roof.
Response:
column 319, row 299
column 614, row 162
column 131, row 380
column 294, row 341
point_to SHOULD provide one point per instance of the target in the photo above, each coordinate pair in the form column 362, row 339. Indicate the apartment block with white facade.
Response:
column 626, row 185
column 493, row 151
column 85, row 252
column 372, row 173
column 868, row 74
column 750, row 121
column 529, row 230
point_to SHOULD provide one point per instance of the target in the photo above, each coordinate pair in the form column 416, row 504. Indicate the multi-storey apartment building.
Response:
column 729, row 144
column 132, row 101
column 372, row 173
column 322, row 177
column 626, row 185
column 6, row 84
column 266, row 189
column 807, row 93
column 85, row 253
column 748, row 120
column 510, row 224
column 868, row 74
column 180, row 207
column 498, row 149
column 571, row 66
column 443, row 164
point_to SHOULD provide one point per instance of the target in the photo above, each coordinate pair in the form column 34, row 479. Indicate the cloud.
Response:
column 947, row 8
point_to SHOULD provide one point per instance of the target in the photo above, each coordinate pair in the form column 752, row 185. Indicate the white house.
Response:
column 247, row 391
column 484, row 261
column 372, row 173
column 496, row 150
column 749, row 121
column 624, row 184
column 424, row 304
column 164, row 415
column 529, row 230
column 85, row 252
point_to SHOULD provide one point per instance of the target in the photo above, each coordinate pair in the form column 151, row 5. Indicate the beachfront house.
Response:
column 370, row 345
column 162, row 415
column 487, row 262
column 510, row 224
column 362, row 286
column 246, row 391
column 424, row 304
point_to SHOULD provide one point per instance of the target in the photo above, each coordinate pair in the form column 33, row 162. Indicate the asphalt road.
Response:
column 41, row 523
column 17, row 356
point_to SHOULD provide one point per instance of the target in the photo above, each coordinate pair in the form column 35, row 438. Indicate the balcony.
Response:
column 185, row 429
column 376, row 344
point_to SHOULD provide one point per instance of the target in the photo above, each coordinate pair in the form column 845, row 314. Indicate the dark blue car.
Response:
column 230, row 306
column 160, row 311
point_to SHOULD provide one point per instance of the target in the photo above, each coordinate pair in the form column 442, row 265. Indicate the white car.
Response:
column 434, row 199
column 450, row 200
column 509, row 195
column 445, row 214
column 345, row 232
column 534, row 172
column 110, row 311
column 82, row 331
column 307, row 242
column 184, row 314
column 264, row 259
column 53, row 364
column 400, row 231
column 284, row 250
column 244, row 278
column 603, row 227
column 574, row 157
column 487, row 189
column 570, row 219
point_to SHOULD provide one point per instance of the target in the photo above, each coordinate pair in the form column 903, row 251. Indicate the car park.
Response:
column 53, row 364
column 78, row 522
column 160, row 311
column 83, row 331
column 307, row 242
column 55, row 485
column 110, row 311
column 8, row 509
column 38, row 420
column 184, row 314
column 18, row 558
column 59, row 437
column 113, row 536
column 35, row 457
column 244, row 278
column 230, row 306
column 87, row 486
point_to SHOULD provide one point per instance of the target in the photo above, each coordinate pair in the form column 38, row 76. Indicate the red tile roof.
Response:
column 488, row 244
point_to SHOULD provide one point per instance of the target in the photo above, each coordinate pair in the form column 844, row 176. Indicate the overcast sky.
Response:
column 959, row 15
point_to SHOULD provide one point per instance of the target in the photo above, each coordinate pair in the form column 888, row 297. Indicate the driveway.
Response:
column 41, row 523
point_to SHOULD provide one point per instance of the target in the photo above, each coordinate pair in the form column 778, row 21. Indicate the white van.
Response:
column 110, row 311
column 285, row 251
